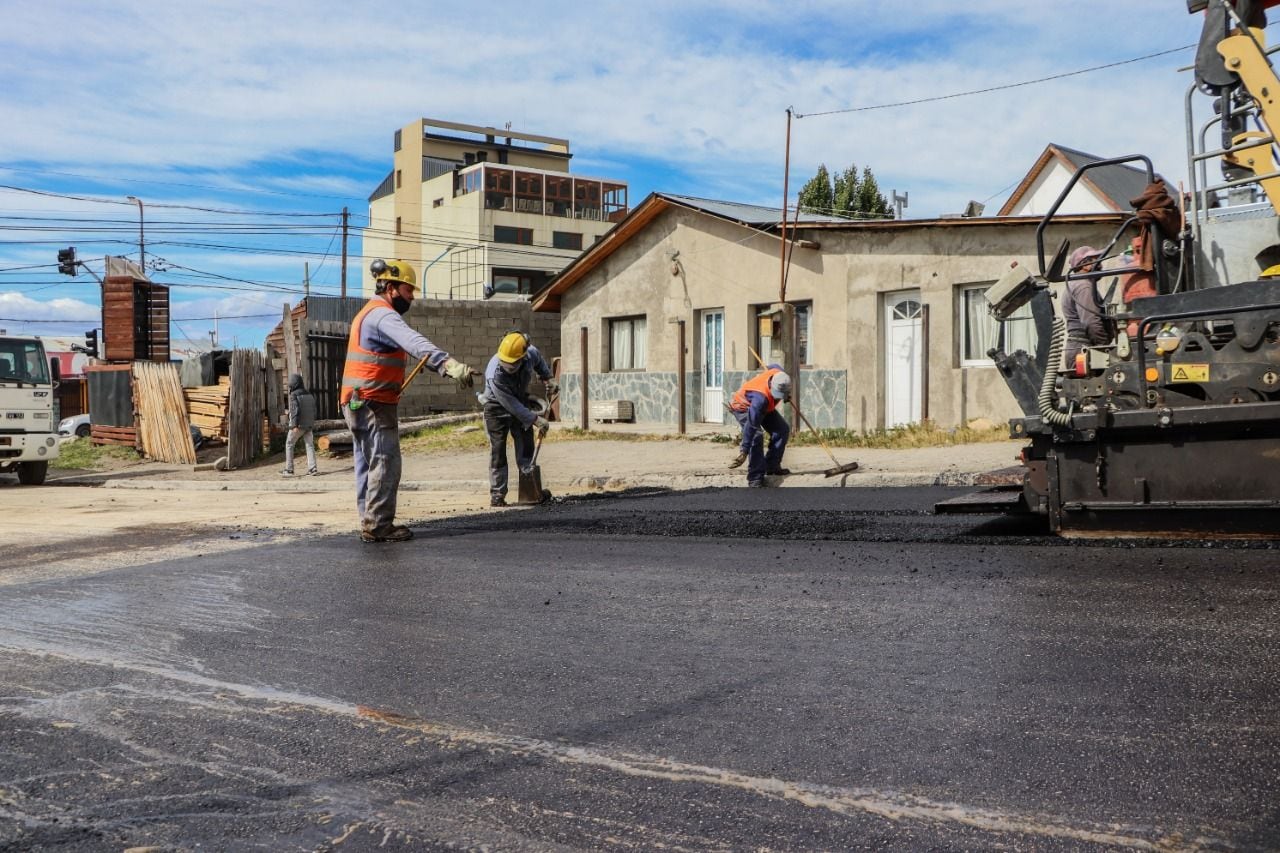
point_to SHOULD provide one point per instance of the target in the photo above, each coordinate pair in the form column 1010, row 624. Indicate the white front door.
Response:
column 713, row 367
column 902, row 358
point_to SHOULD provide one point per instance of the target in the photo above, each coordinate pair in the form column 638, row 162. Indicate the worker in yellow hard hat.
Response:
column 381, row 343
column 507, row 407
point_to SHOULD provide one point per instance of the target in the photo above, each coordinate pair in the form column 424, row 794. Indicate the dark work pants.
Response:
column 758, row 461
column 498, row 422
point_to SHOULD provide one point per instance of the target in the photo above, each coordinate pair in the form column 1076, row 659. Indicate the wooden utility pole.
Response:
column 586, row 405
column 680, row 374
column 306, row 279
column 786, row 176
column 344, row 252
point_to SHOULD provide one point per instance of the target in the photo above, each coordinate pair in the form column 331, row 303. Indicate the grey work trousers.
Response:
column 308, row 438
column 376, row 440
column 497, row 423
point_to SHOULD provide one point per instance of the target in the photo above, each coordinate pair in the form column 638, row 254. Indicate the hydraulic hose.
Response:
column 1048, row 410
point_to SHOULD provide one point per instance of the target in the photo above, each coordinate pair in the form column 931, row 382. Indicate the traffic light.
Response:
column 67, row 261
column 91, row 342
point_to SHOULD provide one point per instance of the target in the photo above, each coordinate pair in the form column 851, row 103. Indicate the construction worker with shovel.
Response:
column 372, row 380
column 507, row 407
column 755, row 406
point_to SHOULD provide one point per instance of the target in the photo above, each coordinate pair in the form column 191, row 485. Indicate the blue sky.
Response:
column 270, row 117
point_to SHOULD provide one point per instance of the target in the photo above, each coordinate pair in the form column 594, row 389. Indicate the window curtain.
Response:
column 980, row 328
column 620, row 344
column 637, row 343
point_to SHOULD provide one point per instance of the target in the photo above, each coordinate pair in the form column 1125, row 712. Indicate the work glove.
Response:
column 541, row 424
column 739, row 459
column 459, row 373
column 553, row 387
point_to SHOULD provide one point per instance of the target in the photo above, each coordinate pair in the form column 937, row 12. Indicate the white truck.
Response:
column 28, row 409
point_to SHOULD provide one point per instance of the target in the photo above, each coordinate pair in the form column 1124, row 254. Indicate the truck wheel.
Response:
column 32, row 473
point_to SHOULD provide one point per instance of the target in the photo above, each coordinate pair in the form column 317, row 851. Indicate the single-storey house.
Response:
column 892, row 326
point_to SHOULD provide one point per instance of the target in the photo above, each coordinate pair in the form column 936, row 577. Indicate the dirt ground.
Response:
column 155, row 507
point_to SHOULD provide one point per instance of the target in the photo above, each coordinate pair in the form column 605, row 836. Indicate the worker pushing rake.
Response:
column 755, row 408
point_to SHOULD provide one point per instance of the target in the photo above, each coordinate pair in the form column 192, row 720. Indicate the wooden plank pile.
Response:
column 246, row 421
column 161, row 413
column 207, row 408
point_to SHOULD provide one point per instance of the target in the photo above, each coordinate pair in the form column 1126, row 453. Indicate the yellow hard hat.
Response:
column 512, row 347
column 394, row 269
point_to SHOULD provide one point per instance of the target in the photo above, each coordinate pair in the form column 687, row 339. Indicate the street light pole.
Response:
column 142, row 243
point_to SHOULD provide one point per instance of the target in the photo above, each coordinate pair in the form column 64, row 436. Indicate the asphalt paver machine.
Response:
column 1172, row 426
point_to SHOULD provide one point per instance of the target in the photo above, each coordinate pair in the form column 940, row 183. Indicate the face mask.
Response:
column 399, row 303
column 509, row 368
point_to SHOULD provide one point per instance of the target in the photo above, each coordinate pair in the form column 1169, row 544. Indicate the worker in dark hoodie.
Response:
column 302, row 421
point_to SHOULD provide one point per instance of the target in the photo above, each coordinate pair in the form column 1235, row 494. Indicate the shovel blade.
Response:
column 530, row 486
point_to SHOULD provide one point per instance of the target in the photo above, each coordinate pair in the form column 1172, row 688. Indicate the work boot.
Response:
column 755, row 484
column 394, row 533
column 497, row 500
column 780, row 472
column 738, row 460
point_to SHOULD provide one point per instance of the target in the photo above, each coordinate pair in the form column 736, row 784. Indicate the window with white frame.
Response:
column 980, row 332
column 627, row 343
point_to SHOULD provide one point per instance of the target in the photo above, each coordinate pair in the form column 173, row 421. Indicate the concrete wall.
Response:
column 721, row 265
column 470, row 331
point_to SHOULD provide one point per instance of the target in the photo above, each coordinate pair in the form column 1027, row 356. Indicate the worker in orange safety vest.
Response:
column 380, row 344
column 755, row 406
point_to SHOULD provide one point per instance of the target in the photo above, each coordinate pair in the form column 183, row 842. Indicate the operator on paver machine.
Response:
column 1172, row 425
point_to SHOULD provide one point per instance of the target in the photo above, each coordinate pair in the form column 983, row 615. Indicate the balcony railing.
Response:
column 544, row 193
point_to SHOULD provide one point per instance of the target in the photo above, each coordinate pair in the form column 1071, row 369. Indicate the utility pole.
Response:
column 306, row 279
column 344, row 252
column 786, row 175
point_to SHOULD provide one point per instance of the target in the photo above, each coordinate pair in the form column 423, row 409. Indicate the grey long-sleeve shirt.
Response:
column 386, row 331
column 511, row 390
column 1083, row 314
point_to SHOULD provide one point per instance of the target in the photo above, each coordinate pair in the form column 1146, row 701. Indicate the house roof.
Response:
column 766, row 220
column 1116, row 185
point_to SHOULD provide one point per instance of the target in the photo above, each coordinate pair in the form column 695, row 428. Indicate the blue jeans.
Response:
column 376, row 448
column 758, row 461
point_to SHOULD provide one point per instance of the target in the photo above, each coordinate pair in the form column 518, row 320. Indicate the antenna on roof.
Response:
column 899, row 203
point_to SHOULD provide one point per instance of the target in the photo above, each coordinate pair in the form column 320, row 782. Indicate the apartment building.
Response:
column 482, row 212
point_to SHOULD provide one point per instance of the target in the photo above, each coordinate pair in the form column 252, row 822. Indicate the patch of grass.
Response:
column 902, row 438
column 81, row 454
column 447, row 437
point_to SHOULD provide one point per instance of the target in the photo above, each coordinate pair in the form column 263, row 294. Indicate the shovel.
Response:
column 531, row 477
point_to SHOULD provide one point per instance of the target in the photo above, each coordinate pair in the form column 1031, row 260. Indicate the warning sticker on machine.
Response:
column 1188, row 373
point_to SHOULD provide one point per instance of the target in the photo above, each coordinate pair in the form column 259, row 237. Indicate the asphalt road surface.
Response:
column 787, row 669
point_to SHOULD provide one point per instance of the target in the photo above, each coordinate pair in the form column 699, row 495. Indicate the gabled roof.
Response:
column 1116, row 185
column 765, row 220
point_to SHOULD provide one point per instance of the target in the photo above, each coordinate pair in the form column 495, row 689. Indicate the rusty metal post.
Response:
column 924, row 363
column 344, row 253
column 586, row 406
column 786, row 175
column 680, row 375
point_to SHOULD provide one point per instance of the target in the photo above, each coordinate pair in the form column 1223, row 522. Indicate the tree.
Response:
column 815, row 196
column 848, row 196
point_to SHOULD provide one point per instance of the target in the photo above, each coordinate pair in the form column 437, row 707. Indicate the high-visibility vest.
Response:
column 760, row 384
column 377, row 375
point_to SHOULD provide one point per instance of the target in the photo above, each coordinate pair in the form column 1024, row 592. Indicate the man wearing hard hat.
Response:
column 506, row 407
column 379, row 347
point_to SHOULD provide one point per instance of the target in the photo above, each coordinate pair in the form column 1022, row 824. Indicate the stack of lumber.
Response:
column 162, row 416
column 207, row 408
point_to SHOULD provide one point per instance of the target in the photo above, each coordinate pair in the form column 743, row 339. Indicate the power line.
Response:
column 995, row 88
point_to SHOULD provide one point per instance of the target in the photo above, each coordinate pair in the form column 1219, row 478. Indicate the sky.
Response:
column 246, row 127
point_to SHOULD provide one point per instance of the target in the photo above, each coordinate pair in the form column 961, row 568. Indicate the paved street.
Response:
column 720, row 669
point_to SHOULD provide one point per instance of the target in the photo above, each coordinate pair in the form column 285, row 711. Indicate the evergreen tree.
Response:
column 846, row 192
column 848, row 196
column 871, row 202
column 816, row 195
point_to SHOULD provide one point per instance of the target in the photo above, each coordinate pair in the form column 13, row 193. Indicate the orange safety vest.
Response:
column 759, row 384
column 377, row 375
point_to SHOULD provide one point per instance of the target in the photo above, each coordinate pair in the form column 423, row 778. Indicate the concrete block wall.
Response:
column 470, row 331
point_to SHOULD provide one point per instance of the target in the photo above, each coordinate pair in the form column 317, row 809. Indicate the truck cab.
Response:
column 28, row 409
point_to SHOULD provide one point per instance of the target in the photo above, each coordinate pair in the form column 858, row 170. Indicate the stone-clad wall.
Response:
column 822, row 395
column 470, row 331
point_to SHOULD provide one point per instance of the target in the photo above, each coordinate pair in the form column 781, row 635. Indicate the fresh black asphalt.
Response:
column 785, row 669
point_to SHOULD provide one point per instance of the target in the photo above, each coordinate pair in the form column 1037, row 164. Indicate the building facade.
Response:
column 892, row 325
column 482, row 212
